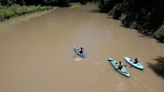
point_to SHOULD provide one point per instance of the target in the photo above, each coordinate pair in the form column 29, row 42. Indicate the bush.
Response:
column 7, row 2
column 63, row 3
column 107, row 5
column 83, row 2
column 117, row 12
column 145, row 15
column 128, row 20
column 159, row 34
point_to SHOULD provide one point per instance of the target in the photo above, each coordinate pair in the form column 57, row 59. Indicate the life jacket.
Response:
column 120, row 67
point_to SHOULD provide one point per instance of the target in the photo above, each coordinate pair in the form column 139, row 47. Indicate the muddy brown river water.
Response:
column 36, row 55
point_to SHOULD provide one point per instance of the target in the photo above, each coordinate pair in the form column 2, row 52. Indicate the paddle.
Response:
column 125, row 65
column 128, row 66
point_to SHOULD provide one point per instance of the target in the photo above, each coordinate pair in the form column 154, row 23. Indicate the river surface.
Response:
column 36, row 55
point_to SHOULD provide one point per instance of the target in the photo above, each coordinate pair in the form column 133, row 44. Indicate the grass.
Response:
column 16, row 10
column 75, row 5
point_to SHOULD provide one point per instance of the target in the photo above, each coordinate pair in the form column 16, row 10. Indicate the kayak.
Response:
column 131, row 62
column 77, row 50
column 122, row 71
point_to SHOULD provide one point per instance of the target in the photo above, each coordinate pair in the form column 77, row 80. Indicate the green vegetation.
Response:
column 11, row 8
column 62, row 3
column 15, row 10
column 75, row 5
column 159, row 34
column 144, row 15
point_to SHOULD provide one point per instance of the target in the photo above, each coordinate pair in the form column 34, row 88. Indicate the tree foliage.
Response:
column 145, row 15
column 36, row 2
column 42, row 2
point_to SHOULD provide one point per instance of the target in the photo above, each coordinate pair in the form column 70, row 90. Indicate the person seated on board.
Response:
column 81, row 50
column 135, row 61
column 120, row 65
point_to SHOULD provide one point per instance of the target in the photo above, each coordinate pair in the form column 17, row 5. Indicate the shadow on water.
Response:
column 141, row 36
column 144, row 36
column 95, row 11
column 158, row 68
column 109, row 17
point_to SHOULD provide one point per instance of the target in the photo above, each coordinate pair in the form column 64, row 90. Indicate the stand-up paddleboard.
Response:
column 131, row 62
column 77, row 50
column 123, row 71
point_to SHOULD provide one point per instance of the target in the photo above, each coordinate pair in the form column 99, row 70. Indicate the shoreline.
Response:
column 17, row 10
column 7, row 24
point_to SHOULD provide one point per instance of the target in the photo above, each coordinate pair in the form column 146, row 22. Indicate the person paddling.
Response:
column 81, row 50
column 120, row 65
column 135, row 61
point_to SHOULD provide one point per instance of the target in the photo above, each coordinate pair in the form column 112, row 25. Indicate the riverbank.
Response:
column 8, row 24
column 17, row 10
column 147, row 19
